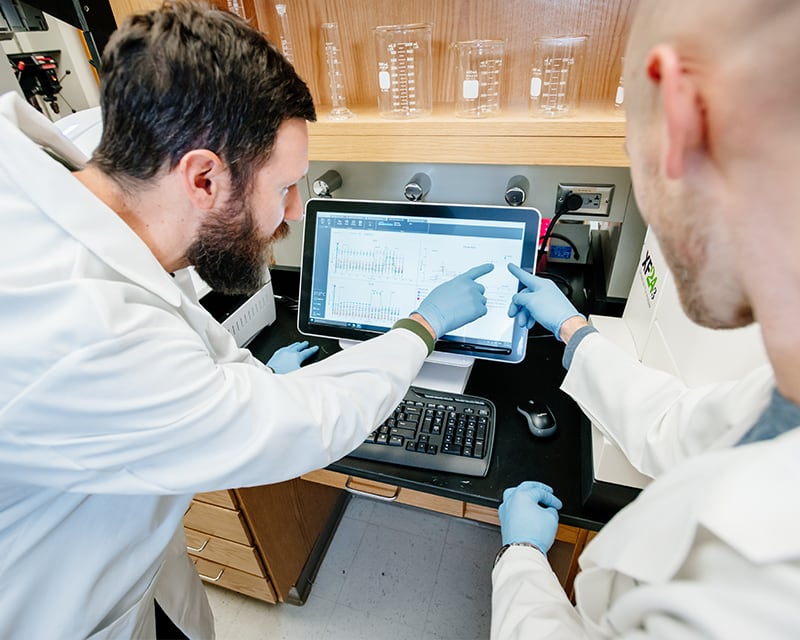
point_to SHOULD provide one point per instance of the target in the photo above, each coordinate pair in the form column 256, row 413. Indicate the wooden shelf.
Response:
column 594, row 136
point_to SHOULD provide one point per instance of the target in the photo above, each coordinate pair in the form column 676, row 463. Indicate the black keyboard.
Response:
column 435, row 430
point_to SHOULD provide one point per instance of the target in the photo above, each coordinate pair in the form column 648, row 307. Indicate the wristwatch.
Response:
column 505, row 548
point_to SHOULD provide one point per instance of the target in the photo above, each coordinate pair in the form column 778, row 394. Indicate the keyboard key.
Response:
column 406, row 433
column 454, row 432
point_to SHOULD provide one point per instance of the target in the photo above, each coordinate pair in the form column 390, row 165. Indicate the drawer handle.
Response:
column 198, row 549
column 209, row 578
column 367, row 494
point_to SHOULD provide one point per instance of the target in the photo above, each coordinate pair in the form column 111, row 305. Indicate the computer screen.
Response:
column 366, row 264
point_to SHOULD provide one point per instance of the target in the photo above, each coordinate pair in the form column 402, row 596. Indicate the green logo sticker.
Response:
column 649, row 275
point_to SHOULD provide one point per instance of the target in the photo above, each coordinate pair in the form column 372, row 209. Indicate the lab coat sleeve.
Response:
column 151, row 412
column 528, row 602
column 652, row 416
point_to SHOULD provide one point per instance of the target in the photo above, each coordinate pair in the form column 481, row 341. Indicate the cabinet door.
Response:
column 290, row 524
column 122, row 8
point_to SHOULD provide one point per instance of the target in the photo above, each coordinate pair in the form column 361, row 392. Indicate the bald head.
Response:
column 744, row 53
column 711, row 99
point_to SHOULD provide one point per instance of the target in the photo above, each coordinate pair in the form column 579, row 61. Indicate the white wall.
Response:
column 7, row 80
column 79, row 89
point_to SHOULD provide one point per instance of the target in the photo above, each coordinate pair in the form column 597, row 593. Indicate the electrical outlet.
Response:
column 596, row 198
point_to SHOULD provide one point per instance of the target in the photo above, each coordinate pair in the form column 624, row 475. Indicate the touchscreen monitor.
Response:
column 366, row 264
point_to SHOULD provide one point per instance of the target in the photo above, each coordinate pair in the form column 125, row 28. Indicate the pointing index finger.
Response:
column 480, row 270
column 523, row 276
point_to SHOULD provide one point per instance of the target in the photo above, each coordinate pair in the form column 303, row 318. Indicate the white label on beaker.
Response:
column 470, row 89
column 384, row 80
column 620, row 97
column 536, row 87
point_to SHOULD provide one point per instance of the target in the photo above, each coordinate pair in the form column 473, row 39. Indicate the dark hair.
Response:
column 189, row 77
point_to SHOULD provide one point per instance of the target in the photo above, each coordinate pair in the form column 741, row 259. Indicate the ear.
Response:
column 204, row 177
column 681, row 104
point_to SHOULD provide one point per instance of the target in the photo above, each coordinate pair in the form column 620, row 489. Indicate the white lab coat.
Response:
column 710, row 549
column 121, row 397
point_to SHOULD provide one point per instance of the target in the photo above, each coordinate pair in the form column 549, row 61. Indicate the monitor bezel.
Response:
column 530, row 216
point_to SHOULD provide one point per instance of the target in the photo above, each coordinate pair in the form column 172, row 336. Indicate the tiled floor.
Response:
column 391, row 572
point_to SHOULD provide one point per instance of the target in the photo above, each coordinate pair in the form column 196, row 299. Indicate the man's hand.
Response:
column 529, row 514
column 541, row 301
column 456, row 302
column 289, row 358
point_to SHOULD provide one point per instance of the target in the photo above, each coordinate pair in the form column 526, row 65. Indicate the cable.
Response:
column 561, row 282
column 572, row 202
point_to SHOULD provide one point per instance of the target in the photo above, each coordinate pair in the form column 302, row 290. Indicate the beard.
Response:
column 228, row 253
column 707, row 293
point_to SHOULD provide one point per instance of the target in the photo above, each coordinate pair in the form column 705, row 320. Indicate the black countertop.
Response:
column 562, row 460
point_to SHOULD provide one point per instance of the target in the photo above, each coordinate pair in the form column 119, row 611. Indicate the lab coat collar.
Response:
column 741, row 495
column 68, row 203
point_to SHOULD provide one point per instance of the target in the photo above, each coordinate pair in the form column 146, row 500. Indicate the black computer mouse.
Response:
column 540, row 419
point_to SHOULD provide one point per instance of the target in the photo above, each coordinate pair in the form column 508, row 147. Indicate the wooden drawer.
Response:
column 231, row 554
column 481, row 513
column 219, row 522
column 449, row 506
column 387, row 492
column 220, row 498
column 236, row 580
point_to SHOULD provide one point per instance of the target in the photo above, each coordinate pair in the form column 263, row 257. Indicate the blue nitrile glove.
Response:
column 289, row 358
column 456, row 302
column 528, row 514
column 541, row 301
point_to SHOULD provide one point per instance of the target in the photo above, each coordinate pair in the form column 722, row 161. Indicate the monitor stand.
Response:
column 441, row 371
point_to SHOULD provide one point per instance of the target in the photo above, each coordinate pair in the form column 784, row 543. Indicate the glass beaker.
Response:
column 556, row 74
column 479, row 72
column 333, row 58
column 404, row 70
column 286, row 38
column 619, row 96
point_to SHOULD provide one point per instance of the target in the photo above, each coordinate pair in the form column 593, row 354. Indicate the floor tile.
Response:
column 258, row 620
column 391, row 572
column 360, row 508
column 484, row 538
column 225, row 605
column 339, row 557
column 409, row 519
column 393, row 575
column 461, row 605
column 347, row 623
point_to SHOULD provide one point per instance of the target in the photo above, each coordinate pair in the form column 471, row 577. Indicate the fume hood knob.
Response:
column 327, row 183
column 517, row 190
column 417, row 188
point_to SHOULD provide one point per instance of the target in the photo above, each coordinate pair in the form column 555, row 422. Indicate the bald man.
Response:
column 711, row 549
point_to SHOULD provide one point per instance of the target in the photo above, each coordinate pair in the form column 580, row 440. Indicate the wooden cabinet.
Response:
column 266, row 541
column 563, row 556
column 594, row 136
